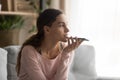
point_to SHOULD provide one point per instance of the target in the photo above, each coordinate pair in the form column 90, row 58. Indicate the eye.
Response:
column 61, row 25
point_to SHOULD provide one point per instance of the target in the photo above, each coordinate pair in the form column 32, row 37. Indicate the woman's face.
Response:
column 59, row 29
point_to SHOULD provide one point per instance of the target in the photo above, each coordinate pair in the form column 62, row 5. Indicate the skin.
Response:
column 55, row 34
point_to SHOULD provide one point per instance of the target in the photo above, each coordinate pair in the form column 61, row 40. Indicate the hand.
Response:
column 73, row 43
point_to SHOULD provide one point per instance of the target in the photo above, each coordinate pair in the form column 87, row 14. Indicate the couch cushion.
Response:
column 83, row 66
column 12, row 59
column 3, row 64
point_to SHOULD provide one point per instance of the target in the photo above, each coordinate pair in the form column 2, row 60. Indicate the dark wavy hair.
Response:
column 45, row 18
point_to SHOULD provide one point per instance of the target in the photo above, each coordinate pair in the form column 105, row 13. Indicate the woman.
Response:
column 45, row 56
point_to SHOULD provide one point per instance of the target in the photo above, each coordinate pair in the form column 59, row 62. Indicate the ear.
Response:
column 46, row 29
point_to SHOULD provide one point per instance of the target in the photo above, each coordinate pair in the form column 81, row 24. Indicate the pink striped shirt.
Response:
column 36, row 67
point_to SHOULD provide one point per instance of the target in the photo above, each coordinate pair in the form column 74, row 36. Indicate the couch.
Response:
column 8, row 58
column 82, row 67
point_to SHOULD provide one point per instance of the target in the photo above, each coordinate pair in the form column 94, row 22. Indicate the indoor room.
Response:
column 95, row 22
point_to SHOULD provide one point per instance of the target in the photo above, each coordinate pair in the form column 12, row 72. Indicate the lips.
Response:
column 66, row 36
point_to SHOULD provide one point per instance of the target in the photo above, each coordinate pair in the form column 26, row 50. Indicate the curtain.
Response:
column 99, row 21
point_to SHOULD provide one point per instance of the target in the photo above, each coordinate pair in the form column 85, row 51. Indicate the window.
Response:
column 99, row 21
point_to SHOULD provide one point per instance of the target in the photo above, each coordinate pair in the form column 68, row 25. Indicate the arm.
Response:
column 62, row 71
column 30, row 63
column 66, row 58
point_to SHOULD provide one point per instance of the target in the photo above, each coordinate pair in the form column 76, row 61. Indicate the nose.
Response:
column 66, row 29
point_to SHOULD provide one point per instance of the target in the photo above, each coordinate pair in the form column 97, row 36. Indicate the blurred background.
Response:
column 99, row 21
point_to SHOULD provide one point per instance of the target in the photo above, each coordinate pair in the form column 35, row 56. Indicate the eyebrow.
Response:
column 61, row 22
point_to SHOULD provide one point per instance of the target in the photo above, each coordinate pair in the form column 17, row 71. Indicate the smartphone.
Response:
column 84, row 39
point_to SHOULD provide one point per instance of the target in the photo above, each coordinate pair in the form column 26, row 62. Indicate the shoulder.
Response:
column 29, row 55
column 28, row 50
column 28, row 47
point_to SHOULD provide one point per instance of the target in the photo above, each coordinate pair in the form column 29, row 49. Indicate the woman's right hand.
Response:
column 73, row 43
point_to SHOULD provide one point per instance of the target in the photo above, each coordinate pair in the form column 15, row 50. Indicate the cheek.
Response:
column 57, row 32
column 54, row 33
column 60, row 32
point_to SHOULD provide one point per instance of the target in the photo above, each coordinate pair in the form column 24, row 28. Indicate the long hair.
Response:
column 46, row 18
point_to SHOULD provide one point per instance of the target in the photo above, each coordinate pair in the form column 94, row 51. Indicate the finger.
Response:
column 80, row 42
column 76, row 40
column 72, row 40
column 68, row 41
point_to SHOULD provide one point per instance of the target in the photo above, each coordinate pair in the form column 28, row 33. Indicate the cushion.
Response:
column 3, row 64
column 83, row 66
column 12, row 59
column 71, row 76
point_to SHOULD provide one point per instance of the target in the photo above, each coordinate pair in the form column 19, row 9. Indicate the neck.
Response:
column 49, row 48
column 49, row 45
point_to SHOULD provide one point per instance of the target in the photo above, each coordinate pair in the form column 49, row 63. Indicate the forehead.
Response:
column 61, row 18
